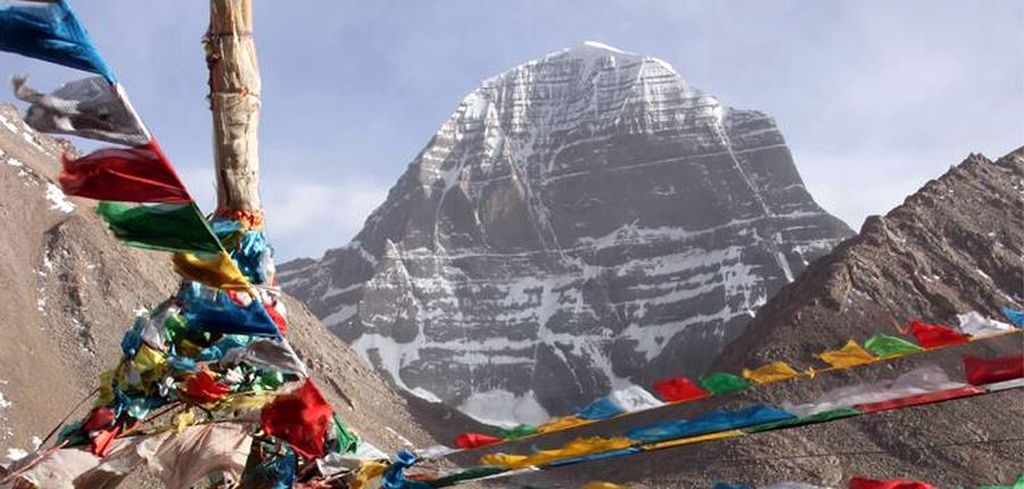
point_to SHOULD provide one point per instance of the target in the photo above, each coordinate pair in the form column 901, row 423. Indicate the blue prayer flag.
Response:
column 602, row 408
column 50, row 32
column 1016, row 317
column 222, row 315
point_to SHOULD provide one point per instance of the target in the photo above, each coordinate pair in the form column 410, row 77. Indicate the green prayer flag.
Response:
column 822, row 417
column 718, row 383
column 346, row 440
column 883, row 345
column 166, row 227
column 520, row 431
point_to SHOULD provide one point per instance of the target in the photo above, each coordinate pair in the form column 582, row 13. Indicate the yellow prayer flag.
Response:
column 694, row 439
column 603, row 485
column 184, row 419
column 246, row 402
column 215, row 270
column 773, row 372
column 149, row 362
column 368, row 470
column 561, row 423
column 106, row 389
column 849, row 355
column 576, row 448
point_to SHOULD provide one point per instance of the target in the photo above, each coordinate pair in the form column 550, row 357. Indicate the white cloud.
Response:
column 307, row 217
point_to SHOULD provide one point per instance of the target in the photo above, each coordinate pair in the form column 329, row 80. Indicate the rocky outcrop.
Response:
column 582, row 222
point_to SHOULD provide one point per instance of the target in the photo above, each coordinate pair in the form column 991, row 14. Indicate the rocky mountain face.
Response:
column 70, row 292
column 954, row 246
column 581, row 222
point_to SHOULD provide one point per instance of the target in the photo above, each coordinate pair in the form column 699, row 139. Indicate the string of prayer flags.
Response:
column 1016, row 317
column 166, row 227
column 124, row 174
column 935, row 335
column 679, row 389
column 50, row 32
column 773, row 372
column 88, row 108
column 714, row 421
column 222, row 315
column 885, row 346
column 850, row 355
column 980, row 371
column 475, row 440
column 718, row 383
column 864, row 483
column 301, row 418
column 974, row 324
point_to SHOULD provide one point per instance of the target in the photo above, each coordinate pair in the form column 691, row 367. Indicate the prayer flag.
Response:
column 225, row 316
column 575, row 448
column 679, row 389
column 50, row 32
column 603, row 408
column 517, row 432
column 980, row 371
column 921, row 399
column 215, row 270
column 88, row 108
column 863, row 483
column 935, row 335
column 394, row 476
column 204, row 388
column 773, row 372
column 475, row 440
column 885, row 346
column 1016, row 317
column 978, row 326
column 300, row 418
column 922, row 380
column 561, row 423
column 166, row 227
column 124, row 175
column 850, row 355
column 634, row 398
column 718, row 383
column 822, row 417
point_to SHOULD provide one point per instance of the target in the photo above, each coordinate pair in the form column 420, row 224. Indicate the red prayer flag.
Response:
column 935, row 335
column 279, row 320
column 678, row 389
column 476, row 440
column 863, row 483
column 300, row 418
column 920, row 399
column 980, row 371
column 102, row 440
column 204, row 388
column 124, row 174
column 100, row 418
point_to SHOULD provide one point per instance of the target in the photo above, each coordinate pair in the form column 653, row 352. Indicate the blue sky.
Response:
column 874, row 97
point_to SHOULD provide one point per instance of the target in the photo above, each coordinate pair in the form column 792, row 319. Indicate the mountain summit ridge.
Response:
column 580, row 223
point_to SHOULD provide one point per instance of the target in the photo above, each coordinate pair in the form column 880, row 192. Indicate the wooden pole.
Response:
column 235, row 102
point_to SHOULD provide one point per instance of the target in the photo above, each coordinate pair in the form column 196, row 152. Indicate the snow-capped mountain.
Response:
column 581, row 223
